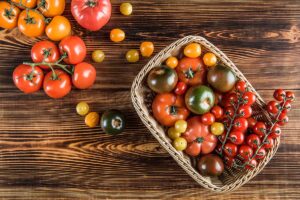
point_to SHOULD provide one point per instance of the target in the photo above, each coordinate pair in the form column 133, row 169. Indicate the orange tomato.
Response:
column 117, row 35
column 31, row 23
column 147, row 49
column 51, row 8
column 210, row 59
column 8, row 15
column 58, row 28
column 192, row 50
column 172, row 62
column 25, row 3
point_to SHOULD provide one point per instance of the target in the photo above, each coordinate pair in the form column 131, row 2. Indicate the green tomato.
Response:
column 82, row 108
column 98, row 56
column 180, row 144
column 217, row 128
column 180, row 126
column 126, row 8
column 199, row 99
column 132, row 56
column 173, row 134
column 113, row 122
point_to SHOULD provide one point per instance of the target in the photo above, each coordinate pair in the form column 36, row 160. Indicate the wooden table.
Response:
column 46, row 151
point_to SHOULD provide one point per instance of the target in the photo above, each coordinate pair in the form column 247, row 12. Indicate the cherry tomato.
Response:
column 8, row 15
column 58, row 28
column 82, row 108
column 98, row 56
column 51, row 8
column 180, row 88
column 236, row 137
column 25, row 3
column 261, row 153
column 273, row 107
column 126, row 9
column 230, row 149
column 245, row 111
column 210, row 59
column 245, row 152
column 31, row 23
column 260, row 129
column 251, row 122
column 228, row 161
column 58, row 85
column 290, row 96
column 218, row 98
column 180, row 144
column 132, row 56
column 279, row 94
column 283, row 119
column 75, row 49
column 252, row 164
column 269, row 143
column 230, row 100
column 172, row 62
column 275, row 132
column 173, row 134
column 180, row 126
column 253, row 141
column 147, row 49
column 208, row 118
column 241, row 86
column 44, row 51
column 217, row 128
column 92, row 119
column 192, row 50
column 117, row 35
column 217, row 111
column 229, row 111
column 240, row 124
column 249, row 98
column 286, row 107
column 84, row 75
column 28, row 79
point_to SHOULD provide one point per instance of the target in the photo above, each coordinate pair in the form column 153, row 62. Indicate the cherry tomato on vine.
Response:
column 245, row 152
column 84, row 75
column 51, row 8
column 147, row 49
column 117, row 35
column 249, row 98
column 261, row 153
column 75, row 49
column 25, row 3
column 283, row 119
column 241, row 86
column 229, row 111
column 192, row 50
column 273, row 107
column 210, row 59
column 58, row 85
column 279, row 94
column 269, row 143
column 275, row 132
column 172, row 62
column 28, row 79
column 208, row 118
column 230, row 99
column 218, row 98
column 126, row 9
column 251, row 122
column 217, row 111
column 8, row 15
column 230, row 149
column 58, row 28
column 286, row 107
column 240, row 124
column 31, row 23
column 252, row 164
column 290, row 96
column 236, row 137
column 228, row 161
column 132, row 56
column 260, row 129
column 180, row 88
column 245, row 111
column 253, row 141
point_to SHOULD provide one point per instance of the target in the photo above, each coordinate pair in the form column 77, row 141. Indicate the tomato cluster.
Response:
column 58, row 79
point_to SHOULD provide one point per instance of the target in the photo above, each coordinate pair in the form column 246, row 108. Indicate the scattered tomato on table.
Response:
column 126, row 8
column 132, row 56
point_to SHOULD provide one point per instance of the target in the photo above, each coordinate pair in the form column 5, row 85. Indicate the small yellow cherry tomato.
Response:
column 180, row 144
column 117, row 35
column 147, row 49
column 210, row 59
column 172, row 62
column 82, row 108
column 217, row 128
column 58, row 28
column 173, row 134
column 98, row 56
column 192, row 50
column 180, row 126
column 132, row 56
column 126, row 9
column 92, row 119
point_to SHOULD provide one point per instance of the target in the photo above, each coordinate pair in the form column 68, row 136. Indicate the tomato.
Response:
column 180, row 88
column 245, row 152
column 28, row 79
column 251, row 122
column 180, row 126
column 269, row 143
column 208, row 119
column 210, row 165
column 252, row 164
column 260, row 129
column 192, row 50
column 229, row 161
column 31, row 23
column 173, row 134
column 261, row 153
column 92, row 119
column 58, row 28
column 172, row 62
column 200, row 140
column 286, row 107
column 162, row 79
column 91, row 14
column 58, row 85
column 283, row 119
column 84, row 75
column 230, row 149
column 275, row 132
column 217, row 111
column 217, row 128
column 8, row 15
column 253, row 141
column 82, row 108
column 147, row 49
column 244, row 111
column 279, row 94
column 126, row 9
column 240, row 124
column 241, row 86
column 113, row 122
column 230, row 100
column 168, row 108
column 290, row 96
column 25, row 3
column 218, row 98
column 98, row 56
column 236, row 137
column 180, row 144
column 229, row 111
column 51, row 8
column 210, row 59
column 117, row 35
column 191, row 71
column 249, row 98
column 75, row 49
column 273, row 107
column 44, row 51
column 132, row 56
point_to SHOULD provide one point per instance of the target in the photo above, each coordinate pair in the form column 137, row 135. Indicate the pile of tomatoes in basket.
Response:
column 208, row 111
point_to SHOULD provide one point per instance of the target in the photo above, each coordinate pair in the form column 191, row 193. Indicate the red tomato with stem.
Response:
column 229, row 111
column 208, row 119
column 249, row 98
column 230, row 149
column 240, row 124
column 251, row 122
column 74, row 48
column 283, row 119
column 279, row 94
column 287, row 106
column 260, row 129
column 84, row 75
column 241, row 86
column 253, row 141
column 252, row 164
column 246, row 152
column 245, row 111
column 275, row 132
column 290, row 96
column 230, row 100
column 180, row 88
column 273, row 107
column 57, row 85
column 237, row 137
column 229, row 161
column 269, row 143
column 217, row 111
column 261, row 153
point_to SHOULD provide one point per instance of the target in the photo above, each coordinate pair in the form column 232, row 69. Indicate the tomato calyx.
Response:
column 28, row 19
column 199, row 140
column 189, row 73
column 173, row 110
column 91, row 3
column 9, row 13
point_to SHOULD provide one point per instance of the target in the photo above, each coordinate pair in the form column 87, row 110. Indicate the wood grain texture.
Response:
column 46, row 152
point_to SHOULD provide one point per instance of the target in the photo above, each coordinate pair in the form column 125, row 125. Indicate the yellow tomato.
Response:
column 192, row 50
column 92, row 119
column 126, row 8
column 217, row 128
column 180, row 144
column 8, row 15
column 210, row 59
column 58, row 28
column 132, row 56
column 98, row 56
column 173, row 134
column 147, row 49
column 51, row 8
column 172, row 62
column 31, row 23
column 82, row 108
column 117, row 35
column 25, row 3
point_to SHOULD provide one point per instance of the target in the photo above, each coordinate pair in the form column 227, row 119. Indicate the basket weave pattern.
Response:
column 142, row 98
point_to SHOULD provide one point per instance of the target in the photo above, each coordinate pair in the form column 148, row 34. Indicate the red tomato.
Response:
column 28, row 79
column 240, row 124
column 75, row 49
column 208, row 119
column 245, row 111
column 180, row 88
column 218, row 98
column 199, row 138
column 269, row 143
column 236, row 137
column 217, row 111
column 273, row 107
column 44, row 51
column 230, row 149
column 84, row 75
column 261, row 153
column 251, row 122
column 249, row 98
column 275, row 132
column 287, row 106
column 91, row 14
column 260, row 129
column 57, row 86
column 229, row 111
column 168, row 108
column 279, row 94
column 228, row 161
column 241, row 86
column 245, row 152
column 253, row 141
column 283, row 119
column 252, row 164
column 290, row 96
column 230, row 99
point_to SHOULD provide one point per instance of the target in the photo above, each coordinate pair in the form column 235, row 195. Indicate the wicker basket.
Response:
column 142, row 98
